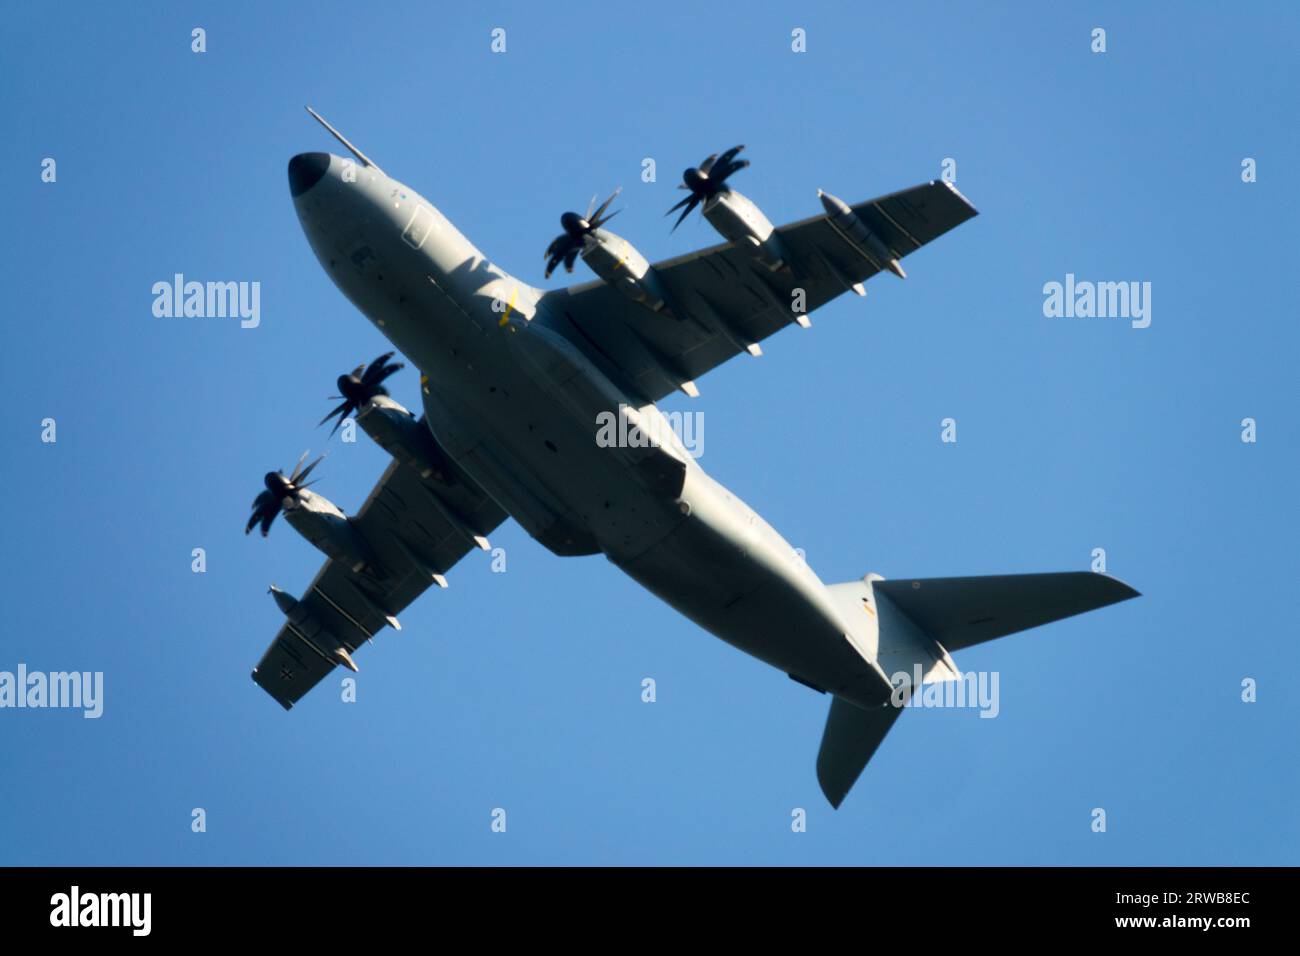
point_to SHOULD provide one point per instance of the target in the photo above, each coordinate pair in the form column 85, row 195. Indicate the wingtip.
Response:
column 833, row 796
column 1129, row 592
column 1123, row 590
column 286, row 704
column 958, row 193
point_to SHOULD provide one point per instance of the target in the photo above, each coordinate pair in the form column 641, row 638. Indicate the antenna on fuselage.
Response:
column 365, row 160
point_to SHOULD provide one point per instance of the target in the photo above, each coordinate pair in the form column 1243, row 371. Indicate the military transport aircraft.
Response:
column 514, row 382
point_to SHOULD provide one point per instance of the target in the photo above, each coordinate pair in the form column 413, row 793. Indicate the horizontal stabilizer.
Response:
column 961, row 612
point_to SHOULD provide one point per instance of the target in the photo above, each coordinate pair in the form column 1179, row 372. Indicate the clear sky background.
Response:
column 522, row 690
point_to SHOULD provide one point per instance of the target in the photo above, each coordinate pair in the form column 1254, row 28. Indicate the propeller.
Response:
column 365, row 382
column 707, row 181
column 568, row 244
column 270, row 502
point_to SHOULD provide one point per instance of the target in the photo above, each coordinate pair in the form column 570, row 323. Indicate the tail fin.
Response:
column 917, row 621
column 851, row 737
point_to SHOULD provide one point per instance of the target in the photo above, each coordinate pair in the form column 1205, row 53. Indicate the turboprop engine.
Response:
column 312, row 515
column 734, row 215
column 614, row 259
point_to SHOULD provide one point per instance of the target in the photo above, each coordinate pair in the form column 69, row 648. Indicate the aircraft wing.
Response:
column 417, row 529
column 731, row 302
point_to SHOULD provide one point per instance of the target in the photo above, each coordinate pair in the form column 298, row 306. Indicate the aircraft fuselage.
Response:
column 516, row 403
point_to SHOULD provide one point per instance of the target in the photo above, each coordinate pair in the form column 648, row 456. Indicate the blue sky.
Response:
column 522, row 690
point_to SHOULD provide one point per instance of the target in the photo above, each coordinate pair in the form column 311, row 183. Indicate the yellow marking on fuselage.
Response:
column 510, row 307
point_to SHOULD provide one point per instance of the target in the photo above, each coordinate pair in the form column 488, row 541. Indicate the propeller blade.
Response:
column 555, row 261
column 267, row 519
column 590, row 206
column 293, row 476
column 689, row 199
column 686, row 212
column 734, row 167
column 264, row 504
column 570, row 259
column 298, row 481
column 729, row 155
column 376, row 368
column 708, row 163
column 386, row 372
column 592, row 217
column 341, row 411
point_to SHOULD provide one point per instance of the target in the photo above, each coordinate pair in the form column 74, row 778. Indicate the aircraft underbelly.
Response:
column 540, row 461
column 762, row 614
column 698, row 548
column 517, row 411
column 730, row 572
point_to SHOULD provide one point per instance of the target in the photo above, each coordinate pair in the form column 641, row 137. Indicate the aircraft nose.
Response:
column 306, row 170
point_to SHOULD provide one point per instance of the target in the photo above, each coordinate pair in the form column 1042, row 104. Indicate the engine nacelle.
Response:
column 738, row 220
column 328, row 529
column 619, row 263
column 400, row 433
